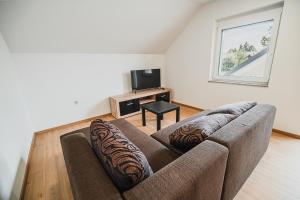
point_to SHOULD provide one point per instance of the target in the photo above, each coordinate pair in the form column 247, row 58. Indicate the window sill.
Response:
column 238, row 82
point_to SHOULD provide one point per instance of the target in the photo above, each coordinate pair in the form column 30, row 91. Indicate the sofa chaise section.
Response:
column 246, row 137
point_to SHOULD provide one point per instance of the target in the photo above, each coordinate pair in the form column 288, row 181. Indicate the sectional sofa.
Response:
column 215, row 169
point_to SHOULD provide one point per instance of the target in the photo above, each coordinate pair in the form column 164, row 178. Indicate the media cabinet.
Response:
column 129, row 104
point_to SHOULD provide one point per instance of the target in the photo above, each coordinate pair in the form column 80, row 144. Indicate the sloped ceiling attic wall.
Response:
column 94, row 26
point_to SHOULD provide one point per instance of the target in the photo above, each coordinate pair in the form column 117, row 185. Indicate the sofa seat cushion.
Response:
column 157, row 154
column 163, row 135
column 122, row 160
column 196, row 131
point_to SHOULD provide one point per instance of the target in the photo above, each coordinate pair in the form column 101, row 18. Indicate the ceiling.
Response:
column 94, row 26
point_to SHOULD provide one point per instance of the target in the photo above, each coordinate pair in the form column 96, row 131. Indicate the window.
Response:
column 244, row 48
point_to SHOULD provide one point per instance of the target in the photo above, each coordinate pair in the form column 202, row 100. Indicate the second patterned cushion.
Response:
column 194, row 132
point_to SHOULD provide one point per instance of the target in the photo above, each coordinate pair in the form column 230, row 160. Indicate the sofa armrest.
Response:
column 87, row 177
column 197, row 174
column 247, row 139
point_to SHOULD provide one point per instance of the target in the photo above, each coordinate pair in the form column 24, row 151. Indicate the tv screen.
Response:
column 144, row 79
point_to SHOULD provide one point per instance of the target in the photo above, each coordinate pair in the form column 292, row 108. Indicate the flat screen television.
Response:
column 145, row 79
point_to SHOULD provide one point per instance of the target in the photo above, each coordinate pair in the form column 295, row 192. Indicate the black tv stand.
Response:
column 129, row 104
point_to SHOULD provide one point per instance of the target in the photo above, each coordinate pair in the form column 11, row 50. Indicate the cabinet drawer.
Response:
column 163, row 97
column 130, row 106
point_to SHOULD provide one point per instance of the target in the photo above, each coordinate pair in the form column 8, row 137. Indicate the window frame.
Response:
column 239, row 21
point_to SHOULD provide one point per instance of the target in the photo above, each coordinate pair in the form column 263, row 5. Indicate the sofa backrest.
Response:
column 247, row 138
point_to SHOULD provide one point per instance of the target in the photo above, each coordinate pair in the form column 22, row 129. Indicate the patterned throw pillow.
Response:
column 122, row 160
column 194, row 132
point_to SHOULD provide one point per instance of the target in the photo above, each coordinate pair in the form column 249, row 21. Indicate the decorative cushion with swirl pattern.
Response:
column 123, row 161
column 196, row 131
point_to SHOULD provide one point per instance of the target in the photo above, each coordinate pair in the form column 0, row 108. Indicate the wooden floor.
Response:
column 276, row 177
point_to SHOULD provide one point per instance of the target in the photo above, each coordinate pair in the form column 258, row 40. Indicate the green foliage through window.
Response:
column 235, row 56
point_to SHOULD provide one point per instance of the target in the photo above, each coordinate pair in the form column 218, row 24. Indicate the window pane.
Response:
column 244, row 50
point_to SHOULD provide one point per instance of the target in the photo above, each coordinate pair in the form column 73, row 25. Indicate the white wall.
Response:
column 53, row 82
column 15, row 130
column 189, row 59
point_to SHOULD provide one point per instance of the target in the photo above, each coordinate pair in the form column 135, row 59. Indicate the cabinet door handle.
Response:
column 129, row 104
column 162, row 95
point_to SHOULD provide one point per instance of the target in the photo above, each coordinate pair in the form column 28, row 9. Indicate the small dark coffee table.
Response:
column 159, row 108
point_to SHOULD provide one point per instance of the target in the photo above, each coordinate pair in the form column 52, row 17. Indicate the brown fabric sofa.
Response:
column 212, row 170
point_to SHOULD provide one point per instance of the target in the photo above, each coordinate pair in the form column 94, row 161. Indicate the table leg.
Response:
column 178, row 114
column 158, row 119
column 143, row 117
